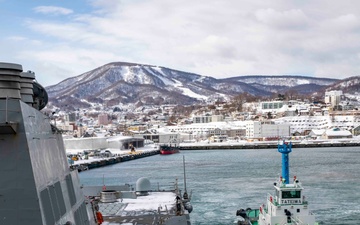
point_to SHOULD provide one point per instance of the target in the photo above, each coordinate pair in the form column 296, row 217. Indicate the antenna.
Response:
column 285, row 149
column 185, row 196
column 104, row 187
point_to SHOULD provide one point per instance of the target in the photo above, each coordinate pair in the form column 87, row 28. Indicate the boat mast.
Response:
column 285, row 149
column 184, row 173
column 185, row 192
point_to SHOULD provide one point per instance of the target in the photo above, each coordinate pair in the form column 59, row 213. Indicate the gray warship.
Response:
column 39, row 188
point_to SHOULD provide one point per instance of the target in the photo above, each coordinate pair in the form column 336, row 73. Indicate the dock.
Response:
column 100, row 162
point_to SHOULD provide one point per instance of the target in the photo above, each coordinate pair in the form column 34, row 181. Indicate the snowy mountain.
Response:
column 348, row 85
column 130, row 83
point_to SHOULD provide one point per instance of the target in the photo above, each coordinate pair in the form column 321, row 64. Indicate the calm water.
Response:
column 223, row 181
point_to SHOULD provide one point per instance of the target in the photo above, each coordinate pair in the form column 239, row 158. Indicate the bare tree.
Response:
column 242, row 98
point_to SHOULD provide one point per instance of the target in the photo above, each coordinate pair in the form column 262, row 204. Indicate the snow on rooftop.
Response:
column 318, row 131
column 221, row 125
column 338, row 133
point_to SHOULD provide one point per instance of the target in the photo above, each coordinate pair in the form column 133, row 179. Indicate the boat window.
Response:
column 291, row 194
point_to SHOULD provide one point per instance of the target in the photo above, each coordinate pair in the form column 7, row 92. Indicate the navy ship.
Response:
column 38, row 187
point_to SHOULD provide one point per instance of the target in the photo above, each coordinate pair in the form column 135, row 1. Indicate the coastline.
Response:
column 268, row 144
column 126, row 155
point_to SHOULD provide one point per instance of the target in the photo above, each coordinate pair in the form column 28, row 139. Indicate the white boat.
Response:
column 287, row 206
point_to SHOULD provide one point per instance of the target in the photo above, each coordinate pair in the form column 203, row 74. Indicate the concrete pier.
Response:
column 100, row 162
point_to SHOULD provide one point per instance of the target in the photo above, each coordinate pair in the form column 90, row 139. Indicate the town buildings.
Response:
column 267, row 120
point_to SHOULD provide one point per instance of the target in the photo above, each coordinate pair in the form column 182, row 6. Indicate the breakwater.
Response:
column 260, row 145
column 112, row 160
column 198, row 146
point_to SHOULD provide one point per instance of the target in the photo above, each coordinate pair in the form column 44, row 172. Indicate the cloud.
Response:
column 213, row 38
column 342, row 23
column 215, row 46
column 17, row 38
column 291, row 19
column 53, row 10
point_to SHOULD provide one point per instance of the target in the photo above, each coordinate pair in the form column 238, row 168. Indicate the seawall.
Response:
column 196, row 146
column 260, row 145
column 82, row 166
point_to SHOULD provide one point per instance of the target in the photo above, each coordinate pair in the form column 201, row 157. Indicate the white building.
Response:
column 160, row 136
column 217, row 118
column 208, row 119
column 333, row 97
column 65, row 126
column 202, row 119
column 267, row 130
column 272, row 107
column 299, row 124
column 336, row 134
column 302, row 124
column 316, row 133
column 103, row 119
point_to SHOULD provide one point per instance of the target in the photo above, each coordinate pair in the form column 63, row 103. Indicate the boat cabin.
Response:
column 286, row 206
column 288, row 193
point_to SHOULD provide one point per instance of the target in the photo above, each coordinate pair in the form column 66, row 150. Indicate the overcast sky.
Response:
column 220, row 38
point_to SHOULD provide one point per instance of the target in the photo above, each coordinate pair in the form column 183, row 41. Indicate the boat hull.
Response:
column 168, row 150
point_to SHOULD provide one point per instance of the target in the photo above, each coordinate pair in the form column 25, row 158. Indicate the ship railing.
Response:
column 296, row 220
column 272, row 199
column 190, row 195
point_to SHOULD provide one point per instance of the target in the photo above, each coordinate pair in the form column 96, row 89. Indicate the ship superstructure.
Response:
column 37, row 186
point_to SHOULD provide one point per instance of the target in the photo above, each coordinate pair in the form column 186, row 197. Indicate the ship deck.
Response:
column 154, row 208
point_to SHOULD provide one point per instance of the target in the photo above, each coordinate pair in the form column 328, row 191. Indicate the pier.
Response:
column 100, row 162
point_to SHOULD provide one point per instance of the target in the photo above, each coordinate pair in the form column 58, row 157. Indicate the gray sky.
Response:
column 220, row 38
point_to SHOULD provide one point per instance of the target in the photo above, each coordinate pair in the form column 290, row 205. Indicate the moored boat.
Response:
column 287, row 206
column 168, row 149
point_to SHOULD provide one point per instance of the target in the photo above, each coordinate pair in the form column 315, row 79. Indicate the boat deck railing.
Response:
column 272, row 199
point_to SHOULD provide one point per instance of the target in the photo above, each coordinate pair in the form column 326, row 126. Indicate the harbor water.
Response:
column 223, row 181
